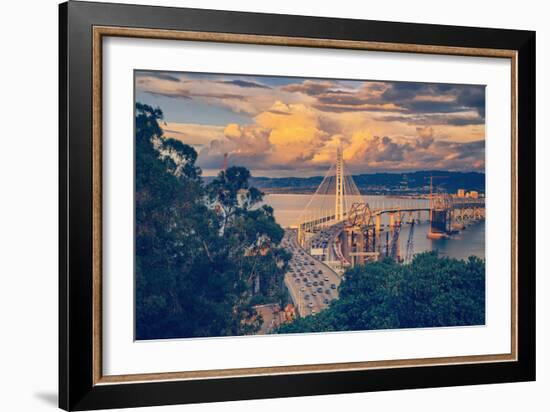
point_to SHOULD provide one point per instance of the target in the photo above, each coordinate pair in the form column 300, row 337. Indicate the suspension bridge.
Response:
column 340, row 226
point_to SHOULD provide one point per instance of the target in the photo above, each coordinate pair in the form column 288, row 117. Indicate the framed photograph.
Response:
column 257, row 206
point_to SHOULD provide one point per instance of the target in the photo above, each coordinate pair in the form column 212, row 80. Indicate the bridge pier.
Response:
column 439, row 223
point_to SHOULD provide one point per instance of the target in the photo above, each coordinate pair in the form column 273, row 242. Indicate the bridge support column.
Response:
column 360, row 247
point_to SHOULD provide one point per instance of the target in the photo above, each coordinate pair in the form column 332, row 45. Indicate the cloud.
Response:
column 461, row 118
column 310, row 87
column 193, row 134
column 368, row 149
column 406, row 101
column 234, row 94
column 425, row 137
column 298, row 126
column 300, row 138
column 246, row 146
column 158, row 75
column 245, row 83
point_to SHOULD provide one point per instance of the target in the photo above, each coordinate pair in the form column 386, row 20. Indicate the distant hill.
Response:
column 382, row 183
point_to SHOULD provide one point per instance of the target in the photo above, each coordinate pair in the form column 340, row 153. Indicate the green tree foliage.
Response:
column 199, row 250
column 428, row 292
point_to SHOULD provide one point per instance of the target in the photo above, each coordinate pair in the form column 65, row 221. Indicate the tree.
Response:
column 428, row 292
column 251, row 231
column 192, row 278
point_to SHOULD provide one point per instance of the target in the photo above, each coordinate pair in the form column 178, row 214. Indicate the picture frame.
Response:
column 83, row 27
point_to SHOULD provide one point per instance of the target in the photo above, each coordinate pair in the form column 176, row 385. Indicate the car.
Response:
column 303, row 289
column 294, row 275
column 308, row 284
column 326, row 279
column 313, row 311
column 320, row 290
column 326, row 301
column 315, row 275
column 297, row 280
column 320, row 272
column 315, row 283
column 333, row 286
column 312, row 263
column 327, row 291
column 306, row 297
column 310, row 305
column 322, row 283
column 313, row 293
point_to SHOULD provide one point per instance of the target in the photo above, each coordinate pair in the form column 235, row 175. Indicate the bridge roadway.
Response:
column 457, row 204
column 302, row 271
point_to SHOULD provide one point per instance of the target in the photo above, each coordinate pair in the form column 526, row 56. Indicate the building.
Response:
column 473, row 194
column 460, row 193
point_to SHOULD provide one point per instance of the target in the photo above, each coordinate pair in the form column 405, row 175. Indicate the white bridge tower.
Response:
column 339, row 206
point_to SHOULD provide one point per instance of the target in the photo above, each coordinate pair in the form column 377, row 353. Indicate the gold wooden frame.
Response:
column 102, row 31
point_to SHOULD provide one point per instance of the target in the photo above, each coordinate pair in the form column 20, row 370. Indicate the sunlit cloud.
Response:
column 297, row 124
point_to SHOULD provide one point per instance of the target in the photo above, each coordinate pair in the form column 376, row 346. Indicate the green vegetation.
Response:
column 204, row 253
column 428, row 292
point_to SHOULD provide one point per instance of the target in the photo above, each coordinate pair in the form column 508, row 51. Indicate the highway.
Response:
column 311, row 283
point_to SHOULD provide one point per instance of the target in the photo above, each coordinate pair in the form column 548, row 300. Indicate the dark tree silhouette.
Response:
column 196, row 265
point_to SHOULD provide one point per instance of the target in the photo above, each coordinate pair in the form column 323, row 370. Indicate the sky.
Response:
column 291, row 126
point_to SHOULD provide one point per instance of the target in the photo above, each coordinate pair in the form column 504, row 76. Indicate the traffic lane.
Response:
column 306, row 267
column 326, row 284
column 330, row 274
column 318, row 299
column 302, row 267
column 294, row 285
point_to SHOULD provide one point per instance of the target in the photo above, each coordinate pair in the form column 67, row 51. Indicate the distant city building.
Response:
column 460, row 193
column 473, row 194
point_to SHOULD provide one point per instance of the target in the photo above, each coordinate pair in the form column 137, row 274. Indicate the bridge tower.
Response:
column 339, row 206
